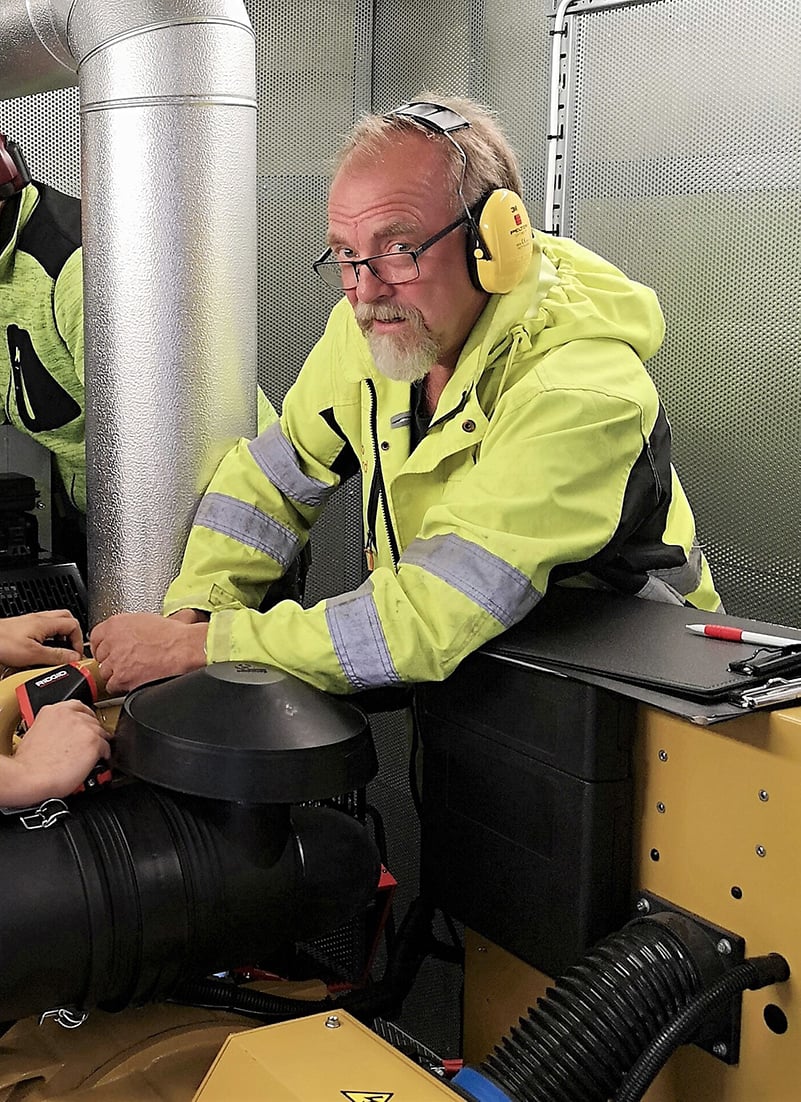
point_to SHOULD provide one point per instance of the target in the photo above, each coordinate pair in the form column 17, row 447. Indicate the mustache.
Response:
column 366, row 314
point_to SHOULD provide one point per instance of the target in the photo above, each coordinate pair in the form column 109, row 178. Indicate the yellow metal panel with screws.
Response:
column 717, row 832
column 315, row 1059
column 717, row 808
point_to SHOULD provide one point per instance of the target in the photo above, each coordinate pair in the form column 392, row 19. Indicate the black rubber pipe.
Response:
column 138, row 890
column 597, row 1019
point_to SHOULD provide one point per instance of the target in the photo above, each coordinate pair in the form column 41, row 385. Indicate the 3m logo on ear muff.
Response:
column 500, row 242
column 503, row 247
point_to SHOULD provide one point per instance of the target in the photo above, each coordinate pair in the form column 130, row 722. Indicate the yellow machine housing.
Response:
column 322, row 1058
column 717, row 820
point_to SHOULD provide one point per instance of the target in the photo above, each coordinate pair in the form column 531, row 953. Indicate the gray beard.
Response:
column 404, row 365
column 406, row 361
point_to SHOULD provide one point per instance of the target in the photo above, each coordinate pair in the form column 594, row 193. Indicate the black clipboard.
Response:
column 639, row 648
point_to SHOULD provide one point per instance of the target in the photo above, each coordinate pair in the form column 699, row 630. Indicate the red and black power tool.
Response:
column 70, row 682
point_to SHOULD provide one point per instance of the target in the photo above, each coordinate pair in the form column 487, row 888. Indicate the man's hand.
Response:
column 22, row 639
column 136, row 647
column 61, row 748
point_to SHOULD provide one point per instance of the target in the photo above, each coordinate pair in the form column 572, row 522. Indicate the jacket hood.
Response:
column 574, row 295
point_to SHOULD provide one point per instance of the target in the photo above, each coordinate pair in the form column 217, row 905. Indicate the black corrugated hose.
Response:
column 752, row 974
column 603, row 1014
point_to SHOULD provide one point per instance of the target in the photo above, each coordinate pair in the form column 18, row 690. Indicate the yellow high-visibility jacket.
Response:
column 548, row 457
column 41, row 330
column 41, row 325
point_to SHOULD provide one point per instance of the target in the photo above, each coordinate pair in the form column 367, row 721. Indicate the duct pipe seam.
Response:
column 34, row 56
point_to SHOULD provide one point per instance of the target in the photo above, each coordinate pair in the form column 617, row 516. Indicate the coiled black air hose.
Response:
column 592, row 1026
column 752, row 974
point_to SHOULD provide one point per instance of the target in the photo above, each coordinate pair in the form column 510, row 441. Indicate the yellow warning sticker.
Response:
column 367, row 1096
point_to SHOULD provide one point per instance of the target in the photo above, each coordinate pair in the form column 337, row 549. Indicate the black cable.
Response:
column 414, row 751
column 443, row 952
column 751, row 975
column 382, row 999
column 220, row 995
column 451, row 927
column 379, row 834
column 380, row 838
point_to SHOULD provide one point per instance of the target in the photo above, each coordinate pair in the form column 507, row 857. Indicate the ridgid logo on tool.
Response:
column 56, row 675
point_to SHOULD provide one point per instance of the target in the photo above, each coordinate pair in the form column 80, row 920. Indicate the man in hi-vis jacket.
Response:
column 487, row 383
column 41, row 327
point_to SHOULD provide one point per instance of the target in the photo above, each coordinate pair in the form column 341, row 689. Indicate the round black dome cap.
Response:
column 244, row 732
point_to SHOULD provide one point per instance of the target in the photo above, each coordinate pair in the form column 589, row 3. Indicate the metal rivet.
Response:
column 764, row 797
column 643, row 907
column 761, row 851
column 654, row 854
column 720, row 1049
column 724, row 946
column 469, row 426
column 663, row 755
column 737, row 892
column 660, row 807
column 384, row 445
column 332, row 1022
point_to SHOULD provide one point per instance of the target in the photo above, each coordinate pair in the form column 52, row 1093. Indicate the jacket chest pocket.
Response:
column 40, row 402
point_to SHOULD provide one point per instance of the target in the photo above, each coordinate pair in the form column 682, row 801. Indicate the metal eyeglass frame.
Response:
column 329, row 270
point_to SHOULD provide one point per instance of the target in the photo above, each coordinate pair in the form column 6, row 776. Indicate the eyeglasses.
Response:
column 391, row 268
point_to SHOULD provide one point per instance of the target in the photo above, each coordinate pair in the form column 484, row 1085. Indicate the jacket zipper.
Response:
column 378, row 493
column 654, row 471
column 14, row 357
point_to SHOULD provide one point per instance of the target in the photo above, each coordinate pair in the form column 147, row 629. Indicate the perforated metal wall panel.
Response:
column 47, row 128
column 313, row 66
column 683, row 166
column 496, row 51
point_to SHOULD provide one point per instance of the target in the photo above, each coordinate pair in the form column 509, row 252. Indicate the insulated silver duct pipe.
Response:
column 168, row 151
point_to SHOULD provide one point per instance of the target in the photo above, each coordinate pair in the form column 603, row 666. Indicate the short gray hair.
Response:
column 491, row 161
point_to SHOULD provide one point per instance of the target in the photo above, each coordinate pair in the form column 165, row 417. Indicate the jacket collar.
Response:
column 14, row 220
column 489, row 338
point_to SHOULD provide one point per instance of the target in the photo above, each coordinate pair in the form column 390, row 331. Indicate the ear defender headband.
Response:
column 14, row 174
column 500, row 242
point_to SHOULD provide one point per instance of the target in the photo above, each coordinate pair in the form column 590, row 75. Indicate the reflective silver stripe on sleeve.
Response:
column 359, row 640
column 248, row 525
column 685, row 578
column 278, row 460
column 494, row 584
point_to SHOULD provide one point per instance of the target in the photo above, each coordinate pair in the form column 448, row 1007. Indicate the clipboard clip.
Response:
column 762, row 661
column 776, row 690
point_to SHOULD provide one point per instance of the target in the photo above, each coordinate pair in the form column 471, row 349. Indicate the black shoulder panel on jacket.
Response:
column 346, row 463
column 53, row 232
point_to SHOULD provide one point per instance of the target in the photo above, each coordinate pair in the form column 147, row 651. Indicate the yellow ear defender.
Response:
column 502, row 254
column 500, row 243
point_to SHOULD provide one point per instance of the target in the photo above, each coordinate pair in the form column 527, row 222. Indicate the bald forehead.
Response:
column 393, row 190
column 412, row 150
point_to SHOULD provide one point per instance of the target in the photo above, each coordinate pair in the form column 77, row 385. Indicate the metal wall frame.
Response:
column 673, row 149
